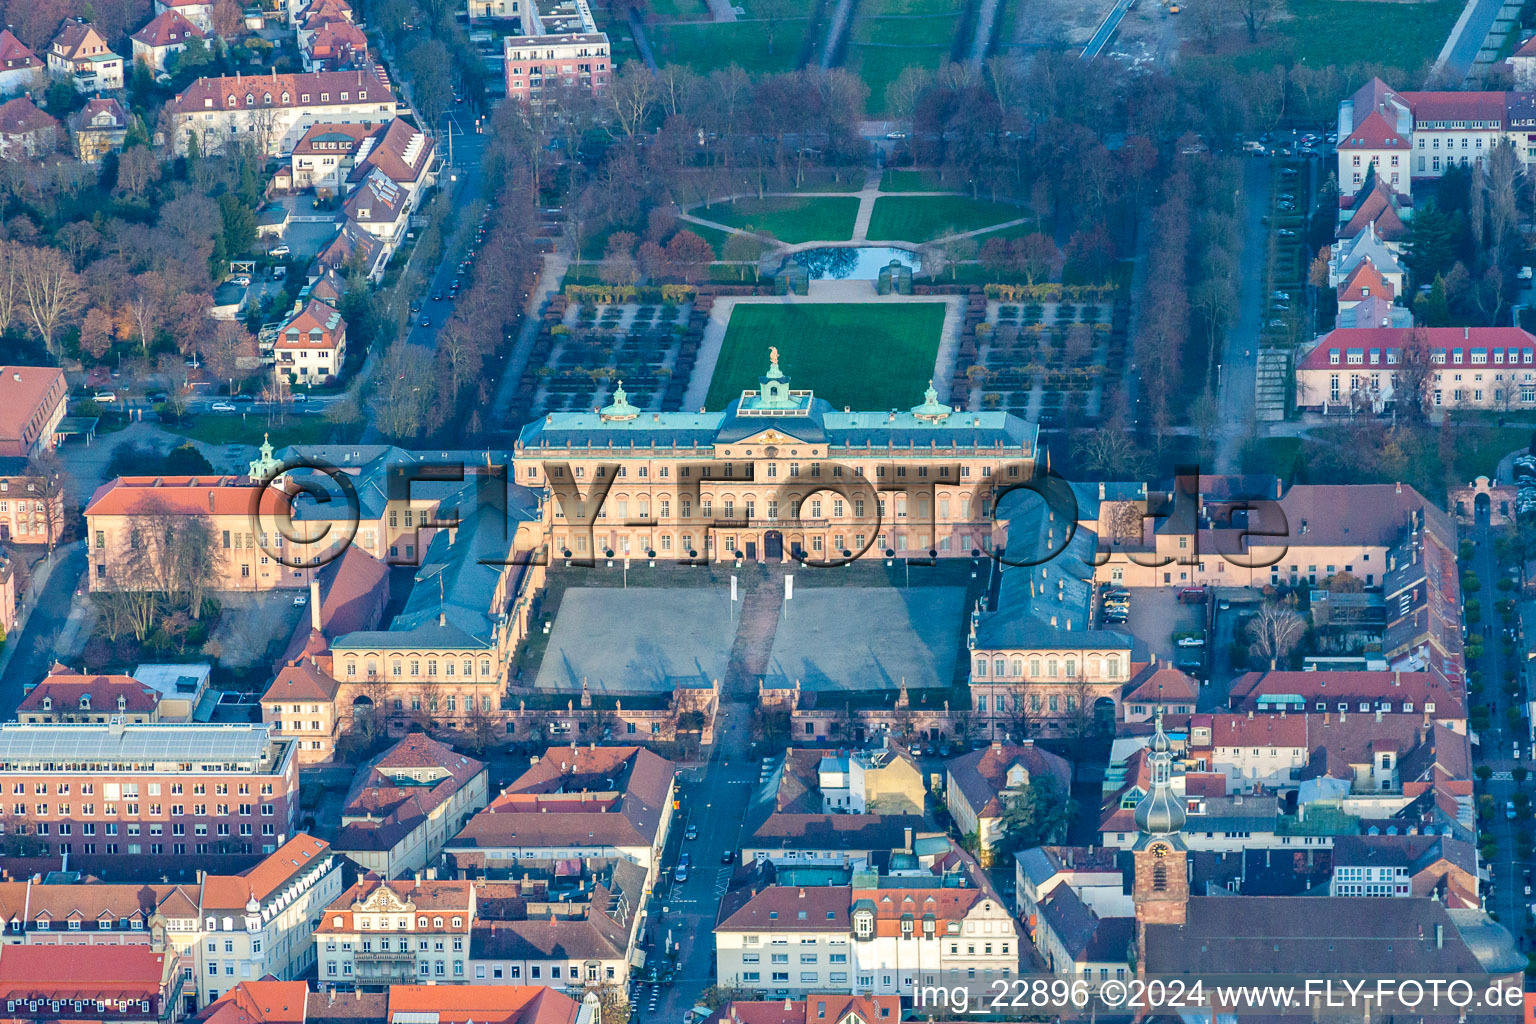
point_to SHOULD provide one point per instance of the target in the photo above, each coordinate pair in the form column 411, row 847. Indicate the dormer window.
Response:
column 250, row 100
column 863, row 925
column 47, row 703
column 285, row 98
column 266, row 98
column 232, row 101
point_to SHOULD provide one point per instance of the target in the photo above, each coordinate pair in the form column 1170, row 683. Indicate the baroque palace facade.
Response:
column 778, row 474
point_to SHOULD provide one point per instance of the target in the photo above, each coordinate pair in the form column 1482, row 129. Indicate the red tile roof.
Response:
column 21, row 117
column 167, row 28
column 330, row 139
column 1397, row 687
column 1441, row 339
column 403, row 153
column 484, row 1004
column 25, row 390
column 260, row 1002
column 302, row 680
column 232, row 892
column 1456, row 106
column 315, row 326
column 14, row 55
column 1374, row 132
column 359, row 86
column 82, row 972
column 185, row 495
column 1364, row 281
column 65, row 690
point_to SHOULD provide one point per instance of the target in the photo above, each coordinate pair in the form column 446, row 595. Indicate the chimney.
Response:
column 210, row 501
column 1466, row 334
column 907, row 836
column 314, row 604
column 1439, row 936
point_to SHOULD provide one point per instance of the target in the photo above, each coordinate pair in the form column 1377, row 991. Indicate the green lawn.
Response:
column 709, row 46
column 248, row 428
column 912, row 181
column 924, row 218
column 906, row 32
column 878, row 8
column 789, row 218
column 679, row 10
column 1404, row 37
column 879, row 66
column 862, row 355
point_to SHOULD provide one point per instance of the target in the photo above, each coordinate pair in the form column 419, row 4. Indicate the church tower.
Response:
column 1160, row 889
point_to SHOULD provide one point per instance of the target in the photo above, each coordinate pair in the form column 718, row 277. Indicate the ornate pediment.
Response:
column 771, row 436
column 382, row 900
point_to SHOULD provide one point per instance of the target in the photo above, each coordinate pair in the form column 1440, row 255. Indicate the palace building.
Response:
column 778, row 474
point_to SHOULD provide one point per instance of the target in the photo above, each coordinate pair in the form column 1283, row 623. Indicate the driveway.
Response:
column 1240, row 356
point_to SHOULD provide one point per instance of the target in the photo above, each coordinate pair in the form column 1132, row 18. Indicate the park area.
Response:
column 1405, row 38
column 922, row 219
column 860, row 355
column 790, row 219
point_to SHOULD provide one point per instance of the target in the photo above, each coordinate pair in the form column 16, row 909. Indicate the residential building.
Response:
column 1471, row 368
column 559, row 47
column 1438, row 867
column 1375, row 206
column 300, row 706
column 179, row 686
column 815, row 1008
column 275, row 110
column 291, row 1002
column 334, row 44
column 1078, row 941
column 978, row 786
column 882, row 934
column 572, row 928
column 1092, row 872
column 1408, row 693
column 380, row 933
column 32, row 402
column 80, row 55
column 31, row 507
column 64, row 697
column 41, row 913
column 198, row 12
column 310, row 347
column 166, row 35
column 98, row 128
column 406, row 803
column 604, row 803
column 404, row 153
column 107, row 983
column 835, row 806
column 259, row 923
column 323, row 158
column 26, row 132
column 193, row 789
column 379, row 207
column 1523, row 65
column 352, row 247
column 1158, row 687
column 1408, row 136
column 752, row 479
column 20, row 68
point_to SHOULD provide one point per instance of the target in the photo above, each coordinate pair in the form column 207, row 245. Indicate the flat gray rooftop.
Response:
column 643, row 639
column 868, row 638
column 158, row 742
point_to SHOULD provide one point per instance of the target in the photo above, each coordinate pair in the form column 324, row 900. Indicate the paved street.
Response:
column 32, row 654
column 1239, row 361
column 1507, row 901
column 716, row 801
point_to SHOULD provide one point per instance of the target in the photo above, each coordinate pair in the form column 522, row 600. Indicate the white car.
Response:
column 300, row 600
column 279, row 250
column 243, row 280
column 104, row 396
column 222, row 407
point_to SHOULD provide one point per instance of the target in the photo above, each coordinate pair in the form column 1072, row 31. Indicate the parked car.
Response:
column 300, row 600
column 1509, row 809
column 1286, row 233
column 104, row 396
column 243, row 280
column 1191, row 641
column 279, row 250
column 728, row 857
column 222, row 407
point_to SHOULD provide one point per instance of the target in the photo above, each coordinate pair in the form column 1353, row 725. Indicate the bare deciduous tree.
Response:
column 51, row 292
column 1274, row 632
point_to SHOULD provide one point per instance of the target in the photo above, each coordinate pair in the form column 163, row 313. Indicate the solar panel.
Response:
column 25, row 743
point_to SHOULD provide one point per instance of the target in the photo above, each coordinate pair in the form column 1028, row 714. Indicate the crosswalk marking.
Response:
column 1503, row 776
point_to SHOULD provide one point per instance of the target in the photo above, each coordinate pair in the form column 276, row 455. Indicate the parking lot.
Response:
column 1155, row 615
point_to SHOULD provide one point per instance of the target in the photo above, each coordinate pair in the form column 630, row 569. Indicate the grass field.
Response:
column 1406, row 37
column 789, row 218
column 879, row 66
column 861, row 355
column 924, row 218
column 912, row 181
column 709, row 46
column 231, row 428
column 679, row 10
